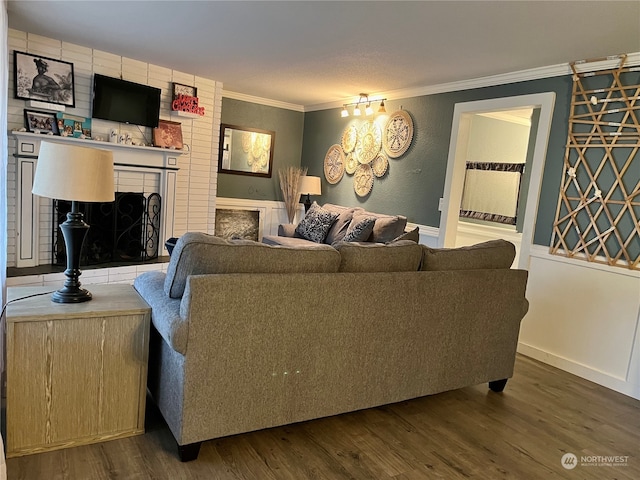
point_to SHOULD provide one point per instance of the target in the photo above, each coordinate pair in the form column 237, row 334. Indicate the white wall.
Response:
column 494, row 140
column 584, row 318
column 197, row 177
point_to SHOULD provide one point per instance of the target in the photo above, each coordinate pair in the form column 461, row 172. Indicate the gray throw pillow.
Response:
column 339, row 229
column 413, row 235
column 316, row 223
column 359, row 229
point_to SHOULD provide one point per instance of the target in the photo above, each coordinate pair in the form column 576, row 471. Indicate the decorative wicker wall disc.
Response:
column 351, row 164
column 349, row 139
column 398, row 134
column 380, row 165
column 334, row 164
column 369, row 142
column 246, row 142
column 363, row 180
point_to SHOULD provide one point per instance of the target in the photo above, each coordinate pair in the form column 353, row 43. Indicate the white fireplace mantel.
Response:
column 163, row 162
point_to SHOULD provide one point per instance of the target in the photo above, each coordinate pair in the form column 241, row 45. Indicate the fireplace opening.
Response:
column 126, row 231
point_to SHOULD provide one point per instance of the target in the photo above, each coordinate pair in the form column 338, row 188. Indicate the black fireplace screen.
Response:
column 124, row 231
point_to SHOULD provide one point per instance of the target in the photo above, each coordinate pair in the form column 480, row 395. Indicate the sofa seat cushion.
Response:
column 316, row 223
column 198, row 253
column 400, row 256
column 487, row 255
column 387, row 227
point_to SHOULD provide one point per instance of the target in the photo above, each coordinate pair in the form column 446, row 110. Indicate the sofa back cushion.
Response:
column 487, row 255
column 387, row 227
column 198, row 253
column 400, row 256
column 339, row 228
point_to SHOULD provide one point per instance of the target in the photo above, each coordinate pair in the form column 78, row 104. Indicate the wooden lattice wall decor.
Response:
column 599, row 205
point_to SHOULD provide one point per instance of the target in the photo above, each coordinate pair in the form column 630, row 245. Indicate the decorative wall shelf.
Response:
column 23, row 137
column 180, row 113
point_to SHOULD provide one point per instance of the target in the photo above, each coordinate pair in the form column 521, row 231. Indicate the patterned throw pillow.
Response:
column 316, row 223
column 359, row 229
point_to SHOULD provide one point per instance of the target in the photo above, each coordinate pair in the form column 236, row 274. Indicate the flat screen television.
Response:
column 125, row 102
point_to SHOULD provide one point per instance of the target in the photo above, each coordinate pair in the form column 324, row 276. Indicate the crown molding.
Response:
column 633, row 59
column 262, row 101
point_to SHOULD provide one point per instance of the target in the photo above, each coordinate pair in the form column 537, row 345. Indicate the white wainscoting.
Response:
column 584, row 319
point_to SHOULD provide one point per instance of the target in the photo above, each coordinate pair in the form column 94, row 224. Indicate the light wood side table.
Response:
column 76, row 373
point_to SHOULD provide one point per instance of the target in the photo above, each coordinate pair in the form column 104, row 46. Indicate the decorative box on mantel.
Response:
column 136, row 167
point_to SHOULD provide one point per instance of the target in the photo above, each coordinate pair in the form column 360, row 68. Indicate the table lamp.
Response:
column 309, row 186
column 77, row 174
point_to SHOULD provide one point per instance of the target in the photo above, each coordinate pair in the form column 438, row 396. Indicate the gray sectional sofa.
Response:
column 249, row 336
column 329, row 224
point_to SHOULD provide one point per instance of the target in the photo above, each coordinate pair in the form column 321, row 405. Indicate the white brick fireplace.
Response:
column 137, row 169
column 186, row 180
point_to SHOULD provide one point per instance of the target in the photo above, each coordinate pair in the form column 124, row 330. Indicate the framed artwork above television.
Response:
column 43, row 79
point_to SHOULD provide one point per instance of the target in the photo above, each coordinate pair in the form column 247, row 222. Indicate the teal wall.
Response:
column 415, row 181
column 287, row 125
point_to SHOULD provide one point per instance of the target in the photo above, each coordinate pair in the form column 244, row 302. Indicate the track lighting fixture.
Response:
column 364, row 100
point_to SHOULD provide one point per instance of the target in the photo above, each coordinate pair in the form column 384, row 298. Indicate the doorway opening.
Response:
column 540, row 108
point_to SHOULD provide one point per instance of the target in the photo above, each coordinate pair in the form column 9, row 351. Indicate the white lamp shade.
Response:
column 74, row 173
column 309, row 185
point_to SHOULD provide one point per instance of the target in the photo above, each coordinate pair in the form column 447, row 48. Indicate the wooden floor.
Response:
column 469, row 433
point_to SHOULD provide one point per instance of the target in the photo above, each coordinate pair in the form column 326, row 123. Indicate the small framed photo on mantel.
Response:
column 41, row 122
column 168, row 135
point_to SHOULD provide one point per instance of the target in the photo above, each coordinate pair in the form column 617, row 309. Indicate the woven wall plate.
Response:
column 369, row 142
column 349, row 139
column 363, row 180
column 351, row 164
column 380, row 165
column 334, row 164
column 398, row 134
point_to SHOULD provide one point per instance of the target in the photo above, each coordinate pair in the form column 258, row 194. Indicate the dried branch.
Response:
column 289, row 184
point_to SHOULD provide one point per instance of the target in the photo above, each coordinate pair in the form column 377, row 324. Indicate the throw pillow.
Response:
column 387, row 227
column 316, row 223
column 359, row 229
column 339, row 229
column 413, row 235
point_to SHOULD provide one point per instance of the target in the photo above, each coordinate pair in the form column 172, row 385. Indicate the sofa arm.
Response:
column 287, row 230
column 165, row 311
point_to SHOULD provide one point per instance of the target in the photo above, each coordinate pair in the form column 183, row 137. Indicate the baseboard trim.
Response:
column 604, row 379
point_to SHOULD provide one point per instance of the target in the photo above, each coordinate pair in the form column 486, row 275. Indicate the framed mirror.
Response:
column 245, row 151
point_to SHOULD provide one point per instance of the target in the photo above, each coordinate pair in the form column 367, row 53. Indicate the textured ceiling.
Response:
column 313, row 52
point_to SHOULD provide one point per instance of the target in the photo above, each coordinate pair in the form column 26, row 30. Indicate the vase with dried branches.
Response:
column 289, row 184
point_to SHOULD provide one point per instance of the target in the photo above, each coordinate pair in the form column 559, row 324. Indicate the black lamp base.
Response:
column 307, row 203
column 71, row 295
column 74, row 231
